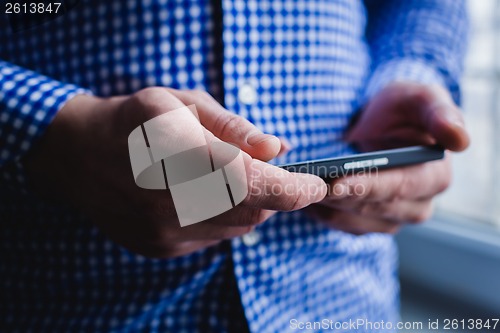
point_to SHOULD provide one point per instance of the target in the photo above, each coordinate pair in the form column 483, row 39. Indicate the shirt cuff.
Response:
column 28, row 103
column 401, row 70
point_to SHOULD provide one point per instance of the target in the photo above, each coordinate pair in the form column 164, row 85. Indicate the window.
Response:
column 475, row 192
column 455, row 257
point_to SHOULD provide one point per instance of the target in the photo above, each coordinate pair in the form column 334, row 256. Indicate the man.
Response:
column 85, row 249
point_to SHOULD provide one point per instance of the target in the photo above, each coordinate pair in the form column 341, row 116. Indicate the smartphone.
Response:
column 367, row 161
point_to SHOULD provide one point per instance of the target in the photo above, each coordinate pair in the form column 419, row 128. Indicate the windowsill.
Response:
column 453, row 258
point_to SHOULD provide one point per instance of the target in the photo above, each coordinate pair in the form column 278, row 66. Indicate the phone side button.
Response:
column 380, row 161
column 366, row 163
column 358, row 164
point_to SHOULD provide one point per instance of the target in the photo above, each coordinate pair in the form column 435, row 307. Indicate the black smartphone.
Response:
column 366, row 161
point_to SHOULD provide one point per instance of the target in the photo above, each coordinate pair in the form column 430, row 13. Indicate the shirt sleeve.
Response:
column 28, row 103
column 416, row 40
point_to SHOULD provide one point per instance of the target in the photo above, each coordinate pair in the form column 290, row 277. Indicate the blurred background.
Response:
column 450, row 267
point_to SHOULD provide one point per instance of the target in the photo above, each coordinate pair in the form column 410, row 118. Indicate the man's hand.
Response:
column 383, row 202
column 84, row 159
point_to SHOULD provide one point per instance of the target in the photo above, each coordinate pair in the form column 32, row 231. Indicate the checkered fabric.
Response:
column 312, row 63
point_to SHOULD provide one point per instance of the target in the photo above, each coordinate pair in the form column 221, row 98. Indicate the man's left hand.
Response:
column 383, row 202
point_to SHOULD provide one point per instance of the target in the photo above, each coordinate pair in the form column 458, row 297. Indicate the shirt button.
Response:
column 247, row 94
column 251, row 238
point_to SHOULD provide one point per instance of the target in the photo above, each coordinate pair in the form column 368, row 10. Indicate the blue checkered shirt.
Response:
column 312, row 63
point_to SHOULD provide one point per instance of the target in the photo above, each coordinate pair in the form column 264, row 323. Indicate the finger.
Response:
column 267, row 188
column 159, row 207
column 241, row 216
column 154, row 101
column 168, row 231
column 270, row 187
column 169, row 127
column 230, row 224
column 153, row 241
column 274, row 188
column 439, row 115
column 352, row 223
column 414, row 135
column 205, row 231
column 230, row 127
column 406, row 183
column 414, row 211
column 399, row 211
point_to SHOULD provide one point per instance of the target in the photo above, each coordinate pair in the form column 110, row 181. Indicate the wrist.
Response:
column 73, row 118
column 57, row 153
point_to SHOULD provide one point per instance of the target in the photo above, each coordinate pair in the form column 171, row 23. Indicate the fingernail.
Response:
column 258, row 138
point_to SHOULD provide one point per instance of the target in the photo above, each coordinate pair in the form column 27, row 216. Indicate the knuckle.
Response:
column 173, row 91
column 419, row 218
column 170, row 90
column 297, row 202
column 393, row 229
column 228, row 123
column 423, row 215
column 202, row 94
column 444, row 182
column 422, row 95
column 394, row 195
column 150, row 93
column 365, row 210
column 253, row 218
column 404, row 190
column 363, row 188
column 368, row 209
column 150, row 97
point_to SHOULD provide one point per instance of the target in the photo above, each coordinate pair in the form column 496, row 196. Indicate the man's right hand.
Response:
column 83, row 158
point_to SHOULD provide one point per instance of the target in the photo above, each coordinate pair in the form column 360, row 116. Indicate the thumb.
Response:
column 439, row 115
column 230, row 127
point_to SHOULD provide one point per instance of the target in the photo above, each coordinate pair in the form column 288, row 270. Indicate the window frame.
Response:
column 455, row 257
